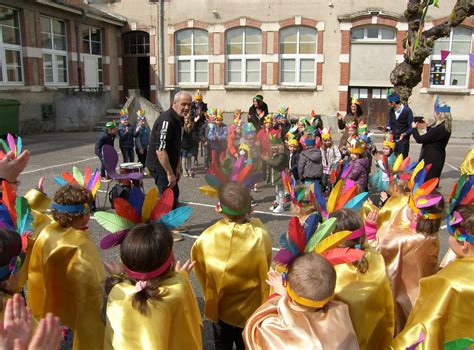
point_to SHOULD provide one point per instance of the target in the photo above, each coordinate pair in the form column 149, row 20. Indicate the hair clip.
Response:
column 140, row 285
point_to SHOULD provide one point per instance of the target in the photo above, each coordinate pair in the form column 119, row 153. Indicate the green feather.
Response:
column 459, row 344
column 21, row 206
column 112, row 222
column 323, row 231
column 5, row 146
column 78, row 176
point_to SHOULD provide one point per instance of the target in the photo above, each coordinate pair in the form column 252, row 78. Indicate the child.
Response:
column 142, row 136
column 293, row 146
column 310, row 166
column 371, row 310
column 330, row 156
column 151, row 306
column 217, row 136
column 359, row 164
column 278, row 161
column 351, row 135
column 443, row 311
column 107, row 137
column 232, row 259
column 203, row 131
column 235, row 133
column 280, row 121
column 264, row 144
column 381, row 179
column 187, row 146
column 409, row 243
column 126, row 141
column 301, row 126
column 302, row 315
column 65, row 270
column 198, row 113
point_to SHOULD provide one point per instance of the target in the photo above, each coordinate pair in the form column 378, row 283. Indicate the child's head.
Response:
column 387, row 151
column 293, row 145
column 235, row 201
column 147, row 256
column 10, row 248
column 355, row 156
column 219, row 120
column 427, row 225
column 277, row 147
column 111, row 127
column 327, row 142
column 124, row 120
column 397, row 188
column 70, row 207
column 351, row 131
column 268, row 122
column 460, row 242
column 349, row 220
column 312, row 277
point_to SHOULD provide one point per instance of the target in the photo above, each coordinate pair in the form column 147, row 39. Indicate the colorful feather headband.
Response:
column 12, row 145
column 215, row 114
column 87, row 180
column 123, row 113
column 389, row 141
column 462, row 194
column 237, row 117
column 355, row 100
column 140, row 209
column 281, row 113
column 400, row 169
column 325, row 133
column 141, row 114
column 15, row 215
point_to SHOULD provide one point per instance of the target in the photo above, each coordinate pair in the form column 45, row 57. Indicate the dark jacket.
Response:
column 126, row 136
column 294, row 158
column 104, row 139
column 142, row 137
column 253, row 117
column 187, row 142
column 433, row 149
column 360, row 172
column 402, row 124
column 278, row 162
column 310, row 164
column 341, row 124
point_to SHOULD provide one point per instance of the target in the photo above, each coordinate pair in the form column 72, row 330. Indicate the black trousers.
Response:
column 141, row 157
column 226, row 335
column 128, row 155
column 161, row 181
column 402, row 147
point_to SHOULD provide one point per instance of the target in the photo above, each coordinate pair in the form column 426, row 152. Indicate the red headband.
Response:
column 144, row 276
column 357, row 233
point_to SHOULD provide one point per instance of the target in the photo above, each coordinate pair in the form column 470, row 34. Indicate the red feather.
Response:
column 296, row 233
column 405, row 163
column 69, row 178
column 87, row 176
column 427, row 187
column 312, row 198
column 2, row 155
column 469, row 198
column 126, row 211
column 214, row 170
column 244, row 173
column 9, row 198
column 163, row 206
column 344, row 198
column 338, row 256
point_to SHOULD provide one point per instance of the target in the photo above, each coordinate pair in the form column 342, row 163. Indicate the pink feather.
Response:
column 428, row 200
column 284, row 257
column 113, row 239
column 11, row 144
column 296, row 233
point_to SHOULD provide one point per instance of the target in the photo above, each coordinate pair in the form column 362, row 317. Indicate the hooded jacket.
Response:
column 360, row 172
column 310, row 164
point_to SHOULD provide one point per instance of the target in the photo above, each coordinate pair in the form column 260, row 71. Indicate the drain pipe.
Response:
column 162, row 45
column 78, row 51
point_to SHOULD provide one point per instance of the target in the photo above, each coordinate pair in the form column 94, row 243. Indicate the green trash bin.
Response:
column 9, row 116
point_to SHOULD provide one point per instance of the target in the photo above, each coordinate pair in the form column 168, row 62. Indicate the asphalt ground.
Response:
column 53, row 153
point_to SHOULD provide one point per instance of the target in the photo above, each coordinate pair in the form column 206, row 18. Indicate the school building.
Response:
column 308, row 55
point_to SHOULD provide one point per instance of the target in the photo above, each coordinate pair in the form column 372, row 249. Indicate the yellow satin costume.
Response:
column 467, row 165
column 409, row 256
column 281, row 324
column 444, row 309
column 173, row 322
column 66, row 278
column 232, row 262
column 370, row 300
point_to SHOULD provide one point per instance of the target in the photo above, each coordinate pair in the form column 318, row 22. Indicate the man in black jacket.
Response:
column 106, row 137
column 400, row 118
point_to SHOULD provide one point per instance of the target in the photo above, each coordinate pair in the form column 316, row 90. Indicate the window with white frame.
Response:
column 53, row 34
column 11, row 71
column 92, row 45
column 191, row 56
column 298, row 56
column 454, row 71
column 373, row 33
column 243, row 48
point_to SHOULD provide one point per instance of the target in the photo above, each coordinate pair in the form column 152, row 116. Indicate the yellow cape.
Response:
column 232, row 262
column 173, row 322
column 444, row 309
column 66, row 278
column 467, row 166
column 370, row 300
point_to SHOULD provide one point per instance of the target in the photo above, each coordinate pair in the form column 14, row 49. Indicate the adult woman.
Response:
column 353, row 115
column 434, row 141
column 257, row 112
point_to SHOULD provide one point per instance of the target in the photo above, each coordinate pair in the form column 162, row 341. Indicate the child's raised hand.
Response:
column 186, row 267
column 373, row 215
column 274, row 280
column 17, row 323
column 48, row 335
column 383, row 196
column 112, row 267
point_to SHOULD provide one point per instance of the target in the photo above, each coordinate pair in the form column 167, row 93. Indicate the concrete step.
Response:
column 113, row 111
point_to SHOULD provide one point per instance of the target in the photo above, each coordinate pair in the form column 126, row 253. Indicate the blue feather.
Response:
column 412, row 166
column 60, row 181
column 212, row 181
column 19, row 145
column 319, row 196
column 465, row 189
column 5, row 218
column 91, row 180
column 176, row 217
column 356, row 202
column 285, row 243
column 136, row 199
column 311, row 224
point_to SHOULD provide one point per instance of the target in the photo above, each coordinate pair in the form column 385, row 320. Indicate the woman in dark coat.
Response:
column 198, row 114
column 257, row 112
column 434, row 141
column 353, row 115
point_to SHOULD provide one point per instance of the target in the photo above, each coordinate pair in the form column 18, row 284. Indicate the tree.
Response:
column 419, row 43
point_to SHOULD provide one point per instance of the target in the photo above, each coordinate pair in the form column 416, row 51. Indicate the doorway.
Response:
column 373, row 101
column 136, row 62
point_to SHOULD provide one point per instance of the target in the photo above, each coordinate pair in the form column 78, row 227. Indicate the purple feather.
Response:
column 238, row 165
column 348, row 184
column 284, row 257
column 136, row 199
column 113, row 239
column 346, row 169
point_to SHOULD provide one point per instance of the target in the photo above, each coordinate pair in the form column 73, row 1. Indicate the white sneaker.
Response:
column 278, row 209
column 275, row 204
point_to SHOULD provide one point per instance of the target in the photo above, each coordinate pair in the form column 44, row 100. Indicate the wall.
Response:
column 80, row 110
column 367, row 71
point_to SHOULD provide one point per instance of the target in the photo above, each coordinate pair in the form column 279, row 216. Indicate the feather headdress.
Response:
column 238, row 117
column 462, row 194
column 398, row 168
column 15, row 215
column 362, row 128
column 215, row 114
column 140, row 208
column 325, row 133
column 355, row 100
column 281, row 113
column 141, row 114
column 123, row 113
column 87, row 180
column 12, row 145
column 389, row 141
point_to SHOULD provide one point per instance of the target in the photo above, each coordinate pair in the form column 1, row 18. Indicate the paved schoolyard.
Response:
column 54, row 153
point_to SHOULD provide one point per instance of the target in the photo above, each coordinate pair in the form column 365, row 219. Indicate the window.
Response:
column 372, row 33
column 298, row 56
column 244, row 46
column 454, row 71
column 91, row 40
column 136, row 43
column 191, row 54
column 359, row 92
column 53, row 34
column 10, row 47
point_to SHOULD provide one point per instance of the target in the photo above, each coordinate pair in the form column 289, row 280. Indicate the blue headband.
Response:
column 310, row 142
column 394, row 98
column 15, row 264
column 72, row 208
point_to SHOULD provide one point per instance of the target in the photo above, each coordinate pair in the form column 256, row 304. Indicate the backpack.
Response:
column 118, row 191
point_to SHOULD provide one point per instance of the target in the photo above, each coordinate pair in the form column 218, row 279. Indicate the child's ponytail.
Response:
column 146, row 290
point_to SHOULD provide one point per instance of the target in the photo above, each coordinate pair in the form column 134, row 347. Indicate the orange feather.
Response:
column 8, row 198
column 126, row 211
column 69, row 178
column 87, row 176
column 344, row 198
column 338, row 256
column 427, row 187
column 244, row 173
